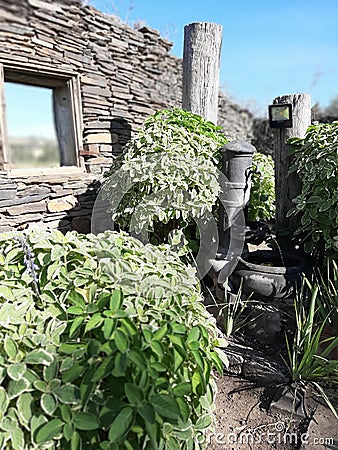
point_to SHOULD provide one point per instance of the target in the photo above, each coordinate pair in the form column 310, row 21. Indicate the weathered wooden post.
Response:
column 288, row 186
column 201, row 62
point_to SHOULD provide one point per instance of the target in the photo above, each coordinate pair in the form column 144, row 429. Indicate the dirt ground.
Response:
column 243, row 422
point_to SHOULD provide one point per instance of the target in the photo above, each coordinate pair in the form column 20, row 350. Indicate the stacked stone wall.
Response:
column 124, row 76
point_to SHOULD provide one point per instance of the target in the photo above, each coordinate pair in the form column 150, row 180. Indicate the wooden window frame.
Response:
column 67, row 110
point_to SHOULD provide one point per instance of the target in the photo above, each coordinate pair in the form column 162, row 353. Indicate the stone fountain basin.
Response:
column 266, row 275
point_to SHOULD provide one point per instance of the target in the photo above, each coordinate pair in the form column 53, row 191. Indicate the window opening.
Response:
column 31, row 134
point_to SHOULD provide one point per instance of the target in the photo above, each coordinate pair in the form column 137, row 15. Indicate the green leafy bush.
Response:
column 168, row 172
column 262, row 193
column 104, row 344
column 316, row 162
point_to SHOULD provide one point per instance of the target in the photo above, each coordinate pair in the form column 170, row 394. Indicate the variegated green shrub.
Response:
column 104, row 344
column 168, row 172
column 316, row 162
column 262, row 192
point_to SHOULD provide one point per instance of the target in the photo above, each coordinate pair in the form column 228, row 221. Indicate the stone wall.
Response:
column 237, row 122
column 124, row 75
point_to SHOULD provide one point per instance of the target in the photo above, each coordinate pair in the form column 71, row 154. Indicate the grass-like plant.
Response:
column 232, row 311
column 327, row 301
column 309, row 353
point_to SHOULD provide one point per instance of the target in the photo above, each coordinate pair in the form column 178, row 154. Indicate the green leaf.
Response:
column 16, row 388
column 93, row 348
column 94, row 322
column 194, row 345
column 121, row 340
column 193, row 335
column 71, row 372
column 4, row 401
column 173, row 444
column 68, row 394
column 203, row 422
column 76, row 310
column 314, row 199
column 49, row 431
column 70, row 348
column 57, row 252
column 165, row 406
column 24, row 408
column 134, row 393
column 77, row 299
column 68, row 431
column 6, row 293
column 86, row 421
column 18, row 439
column 109, row 411
column 48, row 403
column 50, row 371
column 16, row 371
column 76, row 324
column 104, row 369
column 10, row 348
column 184, row 408
column 116, row 300
column 157, row 348
column 217, row 362
column 178, row 360
column 13, row 256
column 120, row 365
column 199, row 360
column 40, row 385
column 159, row 335
column 36, row 422
column 137, row 357
column 121, row 425
column 223, row 357
column 108, row 327
column 65, row 412
column 8, row 424
column 75, row 442
column 39, row 357
column 325, row 207
column 147, row 412
column 182, row 389
column 197, row 383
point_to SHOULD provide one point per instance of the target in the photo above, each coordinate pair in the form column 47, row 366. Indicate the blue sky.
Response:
column 24, row 117
column 270, row 48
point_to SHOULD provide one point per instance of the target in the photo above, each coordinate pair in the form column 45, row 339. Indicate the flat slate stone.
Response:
column 62, row 204
column 23, row 200
column 27, row 208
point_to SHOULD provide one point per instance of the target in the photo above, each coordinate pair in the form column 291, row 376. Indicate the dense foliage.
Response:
column 168, row 172
column 262, row 193
column 104, row 344
column 316, row 162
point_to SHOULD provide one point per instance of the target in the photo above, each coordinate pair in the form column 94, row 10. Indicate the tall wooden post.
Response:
column 201, row 62
column 288, row 186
